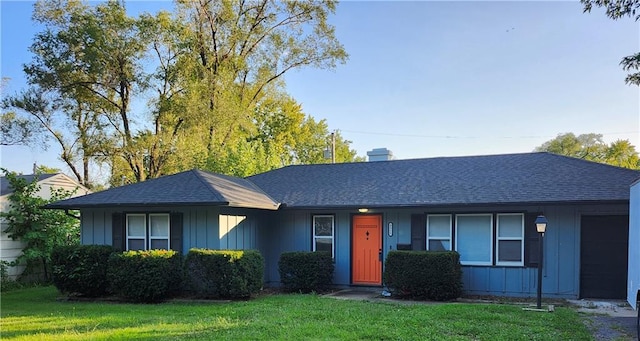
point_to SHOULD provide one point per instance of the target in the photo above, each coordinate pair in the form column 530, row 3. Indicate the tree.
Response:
column 41, row 230
column 616, row 9
column 239, row 51
column 201, row 72
column 16, row 130
column 591, row 147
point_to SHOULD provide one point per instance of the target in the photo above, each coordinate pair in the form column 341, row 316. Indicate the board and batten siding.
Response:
column 203, row 227
column 291, row 230
column 200, row 225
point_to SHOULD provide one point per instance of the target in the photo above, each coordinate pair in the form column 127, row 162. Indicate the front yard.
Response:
column 35, row 313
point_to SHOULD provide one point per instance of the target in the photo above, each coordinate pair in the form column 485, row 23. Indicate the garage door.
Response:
column 603, row 256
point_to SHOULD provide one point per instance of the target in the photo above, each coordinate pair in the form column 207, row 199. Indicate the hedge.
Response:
column 81, row 269
column 224, row 273
column 145, row 276
column 306, row 271
column 433, row 275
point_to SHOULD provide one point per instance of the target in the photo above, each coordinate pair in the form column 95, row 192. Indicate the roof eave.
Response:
column 453, row 205
column 131, row 204
column 272, row 207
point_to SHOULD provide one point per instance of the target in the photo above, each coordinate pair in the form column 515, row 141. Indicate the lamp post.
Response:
column 541, row 227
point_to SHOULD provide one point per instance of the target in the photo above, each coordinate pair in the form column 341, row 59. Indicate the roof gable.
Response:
column 471, row 180
column 193, row 187
column 5, row 186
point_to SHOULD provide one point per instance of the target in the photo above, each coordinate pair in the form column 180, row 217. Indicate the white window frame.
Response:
column 498, row 239
column 147, row 229
column 168, row 237
column 332, row 237
column 447, row 238
column 491, row 247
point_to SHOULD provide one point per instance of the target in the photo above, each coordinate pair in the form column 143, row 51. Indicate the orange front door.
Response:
column 366, row 263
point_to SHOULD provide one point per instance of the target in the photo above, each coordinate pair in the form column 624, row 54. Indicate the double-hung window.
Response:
column 474, row 238
column 323, row 233
column 510, row 249
column 439, row 232
column 147, row 231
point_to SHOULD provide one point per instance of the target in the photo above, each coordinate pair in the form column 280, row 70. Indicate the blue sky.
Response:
column 431, row 79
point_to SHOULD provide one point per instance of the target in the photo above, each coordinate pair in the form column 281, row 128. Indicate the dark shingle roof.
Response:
column 492, row 179
column 188, row 188
column 5, row 187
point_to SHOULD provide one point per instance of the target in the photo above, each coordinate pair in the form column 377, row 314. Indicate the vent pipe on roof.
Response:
column 380, row 154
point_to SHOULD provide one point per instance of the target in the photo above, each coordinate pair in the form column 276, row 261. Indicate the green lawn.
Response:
column 34, row 313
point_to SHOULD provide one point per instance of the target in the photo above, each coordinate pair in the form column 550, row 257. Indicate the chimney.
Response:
column 380, row 154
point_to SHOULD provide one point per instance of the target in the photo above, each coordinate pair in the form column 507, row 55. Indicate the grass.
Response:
column 34, row 313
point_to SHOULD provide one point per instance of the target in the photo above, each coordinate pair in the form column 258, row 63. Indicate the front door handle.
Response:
column 380, row 255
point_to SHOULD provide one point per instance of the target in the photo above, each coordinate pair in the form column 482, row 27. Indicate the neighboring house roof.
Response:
column 444, row 181
column 188, row 188
column 5, row 187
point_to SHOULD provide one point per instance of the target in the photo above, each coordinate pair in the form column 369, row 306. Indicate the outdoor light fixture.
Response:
column 390, row 230
column 363, row 210
column 541, row 227
column 541, row 223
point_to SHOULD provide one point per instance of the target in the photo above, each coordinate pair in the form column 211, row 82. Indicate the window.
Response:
column 510, row 250
column 438, row 232
column 474, row 238
column 147, row 231
column 136, row 231
column 323, row 233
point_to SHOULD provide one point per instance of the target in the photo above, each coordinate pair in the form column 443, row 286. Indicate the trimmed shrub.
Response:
column 81, row 269
column 145, row 276
column 306, row 271
column 432, row 275
column 224, row 273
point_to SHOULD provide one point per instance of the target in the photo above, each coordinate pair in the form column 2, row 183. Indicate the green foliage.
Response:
column 433, row 275
column 15, row 130
column 591, row 147
column 215, row 63
column 40, row 229
column 615, row 10
column 81, row 269
column 306, row 271
column 224, row 274
column 145, row 276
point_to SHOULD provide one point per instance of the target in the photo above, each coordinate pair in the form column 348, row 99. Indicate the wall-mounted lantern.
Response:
column 390, row 229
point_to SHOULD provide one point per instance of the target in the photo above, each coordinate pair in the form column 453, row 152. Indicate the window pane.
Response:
column 439, row 226
column 474, row 238
column 159, row 244
column 136, row 226
column 510, row 226
column 136, row 244
column 159, row 225
column 323, row 226
column 439, row 245
column 324, row 244
column 509, row 251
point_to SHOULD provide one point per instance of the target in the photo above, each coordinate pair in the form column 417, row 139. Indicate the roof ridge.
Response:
column 198, row 175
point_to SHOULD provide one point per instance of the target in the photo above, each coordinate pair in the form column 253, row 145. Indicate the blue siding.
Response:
column 291, row 230
column 633, row 280
column 238, row 231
